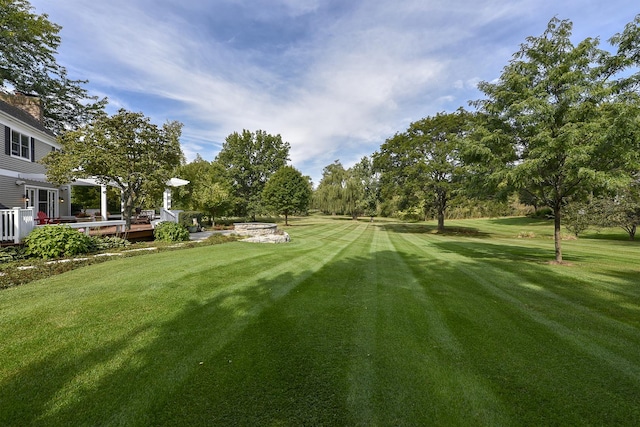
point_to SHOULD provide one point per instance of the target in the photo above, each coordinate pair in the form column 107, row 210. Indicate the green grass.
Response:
column 353, row 323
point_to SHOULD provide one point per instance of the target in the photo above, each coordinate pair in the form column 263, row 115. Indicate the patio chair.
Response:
column 44, row 219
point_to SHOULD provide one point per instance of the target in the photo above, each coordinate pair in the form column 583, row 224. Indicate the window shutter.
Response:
column 7, row 141
column 33, row 149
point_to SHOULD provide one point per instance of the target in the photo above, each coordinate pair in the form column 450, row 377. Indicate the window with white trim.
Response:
column 20, row 145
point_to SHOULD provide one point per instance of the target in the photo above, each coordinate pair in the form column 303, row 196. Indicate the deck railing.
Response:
column 15, row 224
column 167, row 215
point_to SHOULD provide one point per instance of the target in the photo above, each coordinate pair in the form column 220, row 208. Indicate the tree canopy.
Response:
column 125, row 150
column 570, row 120
column 286, row 192
column 353, row 191
column 208, row 189
column 365, row 181
column 250, row 158
column 28, row 45
column 424, row 163
column 328, row 197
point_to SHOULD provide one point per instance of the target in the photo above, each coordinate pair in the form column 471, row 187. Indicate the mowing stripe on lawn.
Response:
column 352, row 323
column 419, row 374
column 280, row 351
column 520, row 305
column 227, row 292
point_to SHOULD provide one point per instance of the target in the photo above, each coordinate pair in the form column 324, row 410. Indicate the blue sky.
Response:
column 335, row 78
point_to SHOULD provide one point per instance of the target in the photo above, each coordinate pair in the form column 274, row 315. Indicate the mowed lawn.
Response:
column 352, row 323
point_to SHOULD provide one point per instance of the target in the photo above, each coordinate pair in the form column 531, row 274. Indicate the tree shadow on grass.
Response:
column 414, row 228
column 281, row 351
column 610, row 235
column 521, row 221
column 31, row 393
column 620, row 301
column 495, row 251
column 235, row 358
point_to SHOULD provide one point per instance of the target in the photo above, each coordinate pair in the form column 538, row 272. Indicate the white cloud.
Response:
column 334, row 78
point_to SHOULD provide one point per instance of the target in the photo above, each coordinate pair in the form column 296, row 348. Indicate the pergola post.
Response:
column 103, row 202
column 173, row 182
column 166, row 199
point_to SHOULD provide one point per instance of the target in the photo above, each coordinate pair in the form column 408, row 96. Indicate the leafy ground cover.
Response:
column 353, row 323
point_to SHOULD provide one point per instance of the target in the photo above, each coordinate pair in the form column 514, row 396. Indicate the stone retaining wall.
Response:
column 260, row 232
column 255, row 228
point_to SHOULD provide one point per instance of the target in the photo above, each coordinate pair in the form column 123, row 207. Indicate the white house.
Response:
column 24, row 189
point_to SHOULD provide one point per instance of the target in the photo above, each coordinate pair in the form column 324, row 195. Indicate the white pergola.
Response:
column 173, row 182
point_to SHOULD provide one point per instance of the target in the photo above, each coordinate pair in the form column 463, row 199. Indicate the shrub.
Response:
column 190, row 218
column 57, row 241
column 526, row 235
column 170, row 232
column 109, row 242
column 12, row 253
column 411, row 214
column 542, row 213
column 225, row 222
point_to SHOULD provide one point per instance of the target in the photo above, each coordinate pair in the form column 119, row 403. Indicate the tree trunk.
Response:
column 557, row 237
column 286, row 218
column 440, row 221
column 632, row 232
column 442, row 206
column 128, row 209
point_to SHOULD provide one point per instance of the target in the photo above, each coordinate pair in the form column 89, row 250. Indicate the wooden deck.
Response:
column 138, row 232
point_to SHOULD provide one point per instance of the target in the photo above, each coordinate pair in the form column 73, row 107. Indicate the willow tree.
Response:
column 571, row 116
column 329, row 196
column 125, row 150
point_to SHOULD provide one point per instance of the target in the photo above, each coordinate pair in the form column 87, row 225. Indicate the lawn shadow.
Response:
column 237, row 357
column 281, row 351
column 620, row 236
column 496, row 251
column 520, row 221
column 417, row 228
column 30, row 393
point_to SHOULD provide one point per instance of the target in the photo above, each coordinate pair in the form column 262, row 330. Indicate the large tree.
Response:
column 361, row 192
column 208, row 189
column 287, row 192
column 28, row 45
column 570, row 117
column 353, row 191
column 621, row 210
column 329, row 196
column 424, row 162
column 125, row 150
column 250, row 158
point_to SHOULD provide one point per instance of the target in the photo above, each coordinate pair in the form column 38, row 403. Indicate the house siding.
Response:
column 10, row 193
column 41, row 149
column 13, row 168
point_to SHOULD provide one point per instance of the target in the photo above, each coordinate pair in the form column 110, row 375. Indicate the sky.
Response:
column 335, row 78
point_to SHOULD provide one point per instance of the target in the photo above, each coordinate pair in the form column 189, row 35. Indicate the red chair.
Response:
column 44, row 219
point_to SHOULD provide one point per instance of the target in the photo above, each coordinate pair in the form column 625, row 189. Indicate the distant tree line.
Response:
column 249, row 177
column 559, row 129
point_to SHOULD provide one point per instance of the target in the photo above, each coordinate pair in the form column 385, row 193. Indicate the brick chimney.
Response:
column 27, row 103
